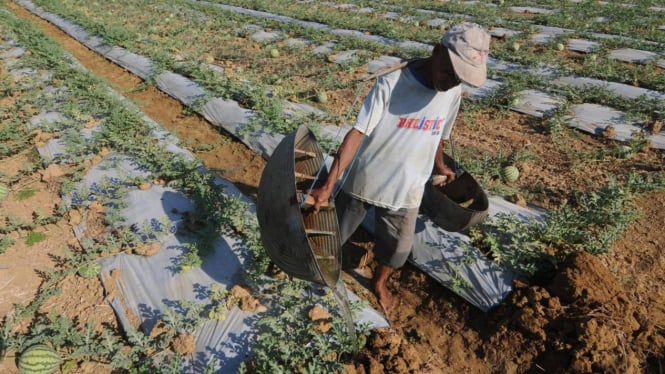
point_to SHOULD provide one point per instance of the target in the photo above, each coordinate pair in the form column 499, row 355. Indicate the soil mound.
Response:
column 592, row 324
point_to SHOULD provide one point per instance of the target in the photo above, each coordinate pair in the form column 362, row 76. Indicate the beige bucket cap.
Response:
column 468, row 45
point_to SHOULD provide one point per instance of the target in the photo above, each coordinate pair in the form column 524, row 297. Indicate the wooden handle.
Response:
column 309, row 201
column 386, row 70
column 438, row 179
column 304, row 176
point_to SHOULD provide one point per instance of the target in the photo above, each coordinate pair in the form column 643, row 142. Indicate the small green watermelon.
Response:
column 4, row 191
column 509, row 173
column 321, row 97
column 39, row 359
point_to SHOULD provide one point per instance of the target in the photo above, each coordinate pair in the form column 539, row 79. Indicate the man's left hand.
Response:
column 446, row 172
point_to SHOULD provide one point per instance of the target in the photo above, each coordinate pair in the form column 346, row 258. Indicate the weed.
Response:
column 555, row 122
column 457, row 282
column 192, row 258
column 286, row 336
column 513, row 243
column 183, row 316
column 5, row 243
column 636, row 183
column 598, row 219
column 34, row 237
column 26, row 193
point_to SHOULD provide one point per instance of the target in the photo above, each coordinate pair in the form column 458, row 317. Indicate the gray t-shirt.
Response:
column 403, row 121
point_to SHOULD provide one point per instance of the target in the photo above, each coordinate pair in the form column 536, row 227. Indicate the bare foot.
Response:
column 386, row 299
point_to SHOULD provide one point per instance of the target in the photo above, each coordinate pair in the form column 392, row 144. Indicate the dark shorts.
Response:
column 394, row 230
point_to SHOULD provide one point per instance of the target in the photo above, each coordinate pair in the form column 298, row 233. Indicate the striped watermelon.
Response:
column 39, row 359
column 509, row 173
column 4, row 191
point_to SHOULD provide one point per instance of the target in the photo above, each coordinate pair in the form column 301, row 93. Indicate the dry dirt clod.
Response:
column 277, row 273
column 96, row 159
column 43, row 137
column 145, row 186
column 52, row 176
column 518, row 199
column 184, row 344
column 385, row 340
column 148, row 249
column 74, row 217
column 104, row 151
column 91, row 124
column 656, row 127
column 96, row 207
column 52, row 173
column 608, row 132
column 241, row 296
column 320, row 315
column 159, row 329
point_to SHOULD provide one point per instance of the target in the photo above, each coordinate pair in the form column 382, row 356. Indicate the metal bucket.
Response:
column 457, row 205
column 302, row 244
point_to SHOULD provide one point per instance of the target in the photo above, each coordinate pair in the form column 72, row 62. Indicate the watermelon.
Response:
column 509, row 173
column 322, row 97
column 39, row 359
column 89, row 270
column 4, row 191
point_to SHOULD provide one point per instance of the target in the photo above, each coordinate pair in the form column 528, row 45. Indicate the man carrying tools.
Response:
column 397, row 144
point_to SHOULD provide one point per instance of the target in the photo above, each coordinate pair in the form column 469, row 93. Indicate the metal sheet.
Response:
column 303, row 244
column 446, row 205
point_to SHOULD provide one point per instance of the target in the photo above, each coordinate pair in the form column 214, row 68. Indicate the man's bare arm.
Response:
column 343, row 159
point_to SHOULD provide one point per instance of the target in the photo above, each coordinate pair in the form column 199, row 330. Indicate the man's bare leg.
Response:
column 386, row 299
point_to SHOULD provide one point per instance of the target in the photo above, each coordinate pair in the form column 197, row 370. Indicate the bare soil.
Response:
column 596, row 314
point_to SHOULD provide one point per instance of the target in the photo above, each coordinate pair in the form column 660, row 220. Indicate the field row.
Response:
column 260, row 75
column 125, row 179
column 306, row 72
column 236, row 120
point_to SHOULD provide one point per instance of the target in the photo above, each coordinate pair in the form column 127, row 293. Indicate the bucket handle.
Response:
column 456, row 168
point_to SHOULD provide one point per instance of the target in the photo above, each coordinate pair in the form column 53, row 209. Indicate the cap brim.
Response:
column 469, row 74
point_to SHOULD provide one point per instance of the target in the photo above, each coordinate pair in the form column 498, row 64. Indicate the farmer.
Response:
column 397, row 144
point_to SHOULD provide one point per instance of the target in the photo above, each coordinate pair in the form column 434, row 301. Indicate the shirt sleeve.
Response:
column 374, row 107
column 450, row 117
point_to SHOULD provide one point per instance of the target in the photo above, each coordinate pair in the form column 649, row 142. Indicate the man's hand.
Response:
column 440, row 169
column 446, row 172
column 320, row 196
column 343, row 159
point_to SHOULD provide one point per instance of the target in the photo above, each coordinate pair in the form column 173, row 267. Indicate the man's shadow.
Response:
column 358, row 254
column 358, row 257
